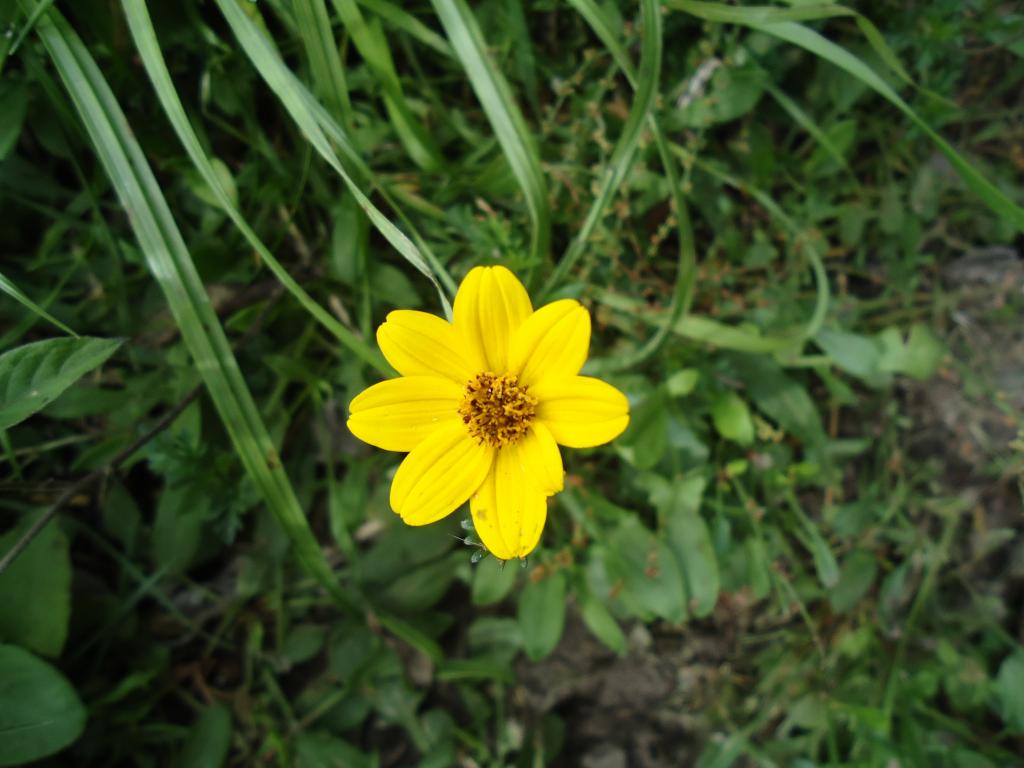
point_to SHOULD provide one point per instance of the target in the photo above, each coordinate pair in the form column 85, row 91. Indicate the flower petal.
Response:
column 439, row 475
column 580, row 411
column 419, row 344
column 509, row 511
column 398, row 414
column 552, row 343
column 490, row 305
column 538, row 453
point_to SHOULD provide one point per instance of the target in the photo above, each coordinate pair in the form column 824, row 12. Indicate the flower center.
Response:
column 497, row 409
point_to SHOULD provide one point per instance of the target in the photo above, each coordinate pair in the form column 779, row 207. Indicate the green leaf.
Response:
column 40, row 713
column 648, row 570
column 600, row 621
column 1009, row 690
column 170, row 263
column 492, row 580
column 34, row 375
column 35, row 591
column 856, row 576
column 542, row 614
column 646, row 439
column 731, row 417
column 781, row 398
column 858, row 355
column 15, row 293
column 13, row 105
column 690, row 540
column 918, row 357
column 208, row 740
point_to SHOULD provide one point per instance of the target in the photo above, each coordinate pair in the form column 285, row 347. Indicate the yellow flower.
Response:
column 481, row 406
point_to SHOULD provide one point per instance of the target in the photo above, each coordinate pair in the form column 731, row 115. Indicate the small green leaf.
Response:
column 855, row 578
column 600, row 621
column 648, row 570
column 35, row 592
column 40, row 713
column 492, row 580
column 208, row 740
column 1009, row 690
column 34, row 375
column 13, row 105
column 690, row 540
column 858, row 355
column 682, row 382
column 542, row 615
column 919, row 357
column 731, row 417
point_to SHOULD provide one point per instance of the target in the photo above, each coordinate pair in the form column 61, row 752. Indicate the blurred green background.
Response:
column 797, row 229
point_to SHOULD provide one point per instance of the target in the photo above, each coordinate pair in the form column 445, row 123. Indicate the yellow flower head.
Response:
column 481, row 406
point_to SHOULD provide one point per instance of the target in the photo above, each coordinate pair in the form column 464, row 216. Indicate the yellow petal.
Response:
column 490, row 305
column 418, row 344
column 509, row 511
column 439, row 475
column 580, row 411
column 552, row 343
column 538, row 453
column 398, row 414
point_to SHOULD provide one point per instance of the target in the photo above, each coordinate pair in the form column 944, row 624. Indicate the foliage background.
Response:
column 806, row 549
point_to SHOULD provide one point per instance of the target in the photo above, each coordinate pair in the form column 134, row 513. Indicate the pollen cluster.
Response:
column 497, row 410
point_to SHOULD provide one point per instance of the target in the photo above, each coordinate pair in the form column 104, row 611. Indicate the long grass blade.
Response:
column 373, row 47
column 405, row 21
column 314, row 28
column 141, row 28
column 625, row 148
column 504, row 115
column 169, row 261
column 686, row 264
column 15, row 293
column 808, row 39
column 311, row 118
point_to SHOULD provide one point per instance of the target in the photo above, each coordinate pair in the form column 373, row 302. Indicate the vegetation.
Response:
column 797, row 230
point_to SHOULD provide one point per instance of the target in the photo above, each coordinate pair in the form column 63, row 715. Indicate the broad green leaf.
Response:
column 690, row 540
column 542, row 614
column 170, row 263
column 733, row 93
column 208, row 740
column 648, row 570
column 303, row 642
column 919, row 356
column 40, row 713
column 646, row 438
column 493, row 579
column 1009, row 690
column 600, row 621
column 499, row 104
column 781, row 398
column 35, row 591
column 13, row 105
column 858, row 355
column 731, row 417
column 34, row 375
column 856, row 576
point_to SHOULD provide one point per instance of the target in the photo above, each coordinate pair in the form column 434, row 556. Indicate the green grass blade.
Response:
column 625, row 148
column 502, row 112
column 801, row 118
column 373, row 47
column 810, row 40
column 405, row 21
column 310, row 116
column 169, row 261
column 141, row 28
column 686, row 264
column 15, row 293
column 314, row 28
